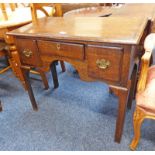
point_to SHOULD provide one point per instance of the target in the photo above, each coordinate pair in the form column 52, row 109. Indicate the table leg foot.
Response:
column 29, row 89
column 122, row 94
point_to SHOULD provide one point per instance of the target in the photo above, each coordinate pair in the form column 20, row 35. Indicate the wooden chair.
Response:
column 4, row 17
column 14, row 59
column 55, row 11
column 49, row 9
column 145, row 96
column 12, row 6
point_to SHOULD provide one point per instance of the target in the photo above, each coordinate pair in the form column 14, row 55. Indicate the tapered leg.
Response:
column 137, row 122
column 122, row 94
column 133, row 87
column 54, row 74
column 120, row 116
column 29, row 89
column 0, row 106
column 62, row 66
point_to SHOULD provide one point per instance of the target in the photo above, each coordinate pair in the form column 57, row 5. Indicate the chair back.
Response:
column 49, row 9
column 4, row 8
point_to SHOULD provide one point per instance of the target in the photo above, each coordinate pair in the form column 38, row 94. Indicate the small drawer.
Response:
column 74, row 51
column 104, row 62
column 28, row 52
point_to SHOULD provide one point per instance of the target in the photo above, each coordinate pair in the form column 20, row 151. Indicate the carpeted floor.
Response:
column 76, row 116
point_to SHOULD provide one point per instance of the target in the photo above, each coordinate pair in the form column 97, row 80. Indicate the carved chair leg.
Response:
column 133, row 87
column 62, row 66
column 54, row 74
column 29, row 88
column 137, row 122
column 44, row 79
column 0, row 106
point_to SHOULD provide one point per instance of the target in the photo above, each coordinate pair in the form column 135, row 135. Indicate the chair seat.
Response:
column 146, row 99
column 15, row 18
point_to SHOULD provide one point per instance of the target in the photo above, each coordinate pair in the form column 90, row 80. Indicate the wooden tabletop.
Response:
column 109, row 29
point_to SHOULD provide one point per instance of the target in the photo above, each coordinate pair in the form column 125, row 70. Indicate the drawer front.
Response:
column 28, row 52
column 75, row 51
column 104, row 62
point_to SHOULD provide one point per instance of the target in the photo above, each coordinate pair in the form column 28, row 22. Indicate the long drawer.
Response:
column 74, row 51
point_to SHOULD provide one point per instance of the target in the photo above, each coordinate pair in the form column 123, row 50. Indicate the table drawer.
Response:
column 104, row 62
column 75, row 51
column 28, row 51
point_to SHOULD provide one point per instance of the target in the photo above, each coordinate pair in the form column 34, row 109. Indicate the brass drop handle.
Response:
column 58, row 46
column 27, row 53
column 102, row 63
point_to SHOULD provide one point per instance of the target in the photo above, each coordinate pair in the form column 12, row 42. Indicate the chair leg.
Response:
column 62, row 66
column 44, row 79
column 137, row 122
column 43, row 76
column 5, row 69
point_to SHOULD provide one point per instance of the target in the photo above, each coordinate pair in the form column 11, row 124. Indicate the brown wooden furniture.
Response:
column 55, row 11
column 121, row 10
column 7, row 23
column 125, row 10
column 15, row 20
column 145, row 100
column 97, row 49
column 4, row 17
